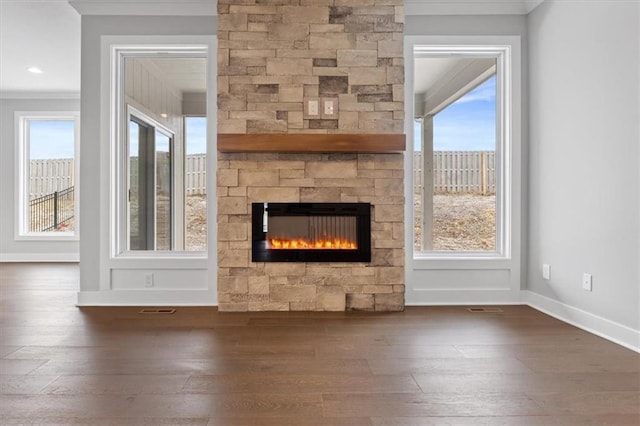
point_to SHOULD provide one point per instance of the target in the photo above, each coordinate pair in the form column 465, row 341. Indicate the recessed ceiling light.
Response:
column 164, row 115
column 34, row 70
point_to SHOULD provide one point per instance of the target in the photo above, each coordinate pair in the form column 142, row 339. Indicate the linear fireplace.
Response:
column 311, row 232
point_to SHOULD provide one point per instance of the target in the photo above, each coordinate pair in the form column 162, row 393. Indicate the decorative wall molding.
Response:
column 39, row 257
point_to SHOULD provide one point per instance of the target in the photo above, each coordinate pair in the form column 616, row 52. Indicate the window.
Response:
column 151, row 193
column 160, row 150
column 460, row 146
column 47, row 190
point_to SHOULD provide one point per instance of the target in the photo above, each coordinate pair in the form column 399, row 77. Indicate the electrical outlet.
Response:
column 313, row 107
column 328, row 107
column 546, row 271
column 587, row 282
column 148, row 280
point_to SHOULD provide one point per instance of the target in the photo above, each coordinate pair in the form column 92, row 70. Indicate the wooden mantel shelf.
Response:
column 305, row 142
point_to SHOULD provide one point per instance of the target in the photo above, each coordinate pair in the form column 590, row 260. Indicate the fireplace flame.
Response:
column 302, row 244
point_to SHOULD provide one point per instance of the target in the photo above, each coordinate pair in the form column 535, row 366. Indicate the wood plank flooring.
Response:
column 63, row 365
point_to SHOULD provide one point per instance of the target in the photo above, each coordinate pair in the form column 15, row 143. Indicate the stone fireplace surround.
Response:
column 258, row 177
column 273, row 56
column 244, row 178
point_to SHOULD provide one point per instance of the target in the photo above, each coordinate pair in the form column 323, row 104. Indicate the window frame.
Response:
column 507, row 51
column 23, row 174
column 119, row 116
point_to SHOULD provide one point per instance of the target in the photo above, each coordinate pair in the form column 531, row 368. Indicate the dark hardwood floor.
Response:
column 426, row 366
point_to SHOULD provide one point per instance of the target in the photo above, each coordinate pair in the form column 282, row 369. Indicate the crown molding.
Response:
column 146, row 7
column 209, row 8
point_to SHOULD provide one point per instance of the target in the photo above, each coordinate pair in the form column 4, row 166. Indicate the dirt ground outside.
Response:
column 461, row 222
column 196, row 215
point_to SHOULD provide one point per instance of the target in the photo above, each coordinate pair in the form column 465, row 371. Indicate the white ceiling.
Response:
column 46, row 34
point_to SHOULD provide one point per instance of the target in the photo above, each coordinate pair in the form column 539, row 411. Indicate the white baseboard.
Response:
column 459, row 297
column 607, row 329
column 39, row 257
column 148, row 298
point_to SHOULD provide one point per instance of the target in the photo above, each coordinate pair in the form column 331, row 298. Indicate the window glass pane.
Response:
column 51, row 175
column 454, row 192
column 136, row 222
column 163, row 165
column 418, row 184
column 464, row 146
column 164, row 97
column 196, row 183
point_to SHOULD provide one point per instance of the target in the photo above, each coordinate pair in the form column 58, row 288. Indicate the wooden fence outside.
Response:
column 51, row 175
column 454, row 172
column 196, row 174
column 470, row 172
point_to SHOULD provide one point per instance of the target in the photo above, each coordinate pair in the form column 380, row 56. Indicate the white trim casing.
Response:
column 119, row 112
column 466, row 277
column 21, row 120
column 502, row 56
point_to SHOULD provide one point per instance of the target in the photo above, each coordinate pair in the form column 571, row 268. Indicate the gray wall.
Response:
column 466, row 25
column 9, row 247
column 93, row 27
column 584, row 160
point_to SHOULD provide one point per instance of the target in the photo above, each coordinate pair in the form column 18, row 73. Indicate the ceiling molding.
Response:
column 209, row 8
column 470, row 7
column 146, row 7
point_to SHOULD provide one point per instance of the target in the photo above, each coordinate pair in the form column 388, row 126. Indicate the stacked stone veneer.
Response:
column 272, row 56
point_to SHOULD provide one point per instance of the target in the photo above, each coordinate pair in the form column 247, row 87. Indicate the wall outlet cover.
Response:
column 329, row 108
column 546, row 271
column 587, row 282
column 148, row 280
column 312, row 108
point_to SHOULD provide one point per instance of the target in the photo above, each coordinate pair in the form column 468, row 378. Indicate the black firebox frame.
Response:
column 260, row 252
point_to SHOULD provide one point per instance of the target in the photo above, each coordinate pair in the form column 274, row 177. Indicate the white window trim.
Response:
column 22, row 118
column 508, row 49
column 115, row 49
